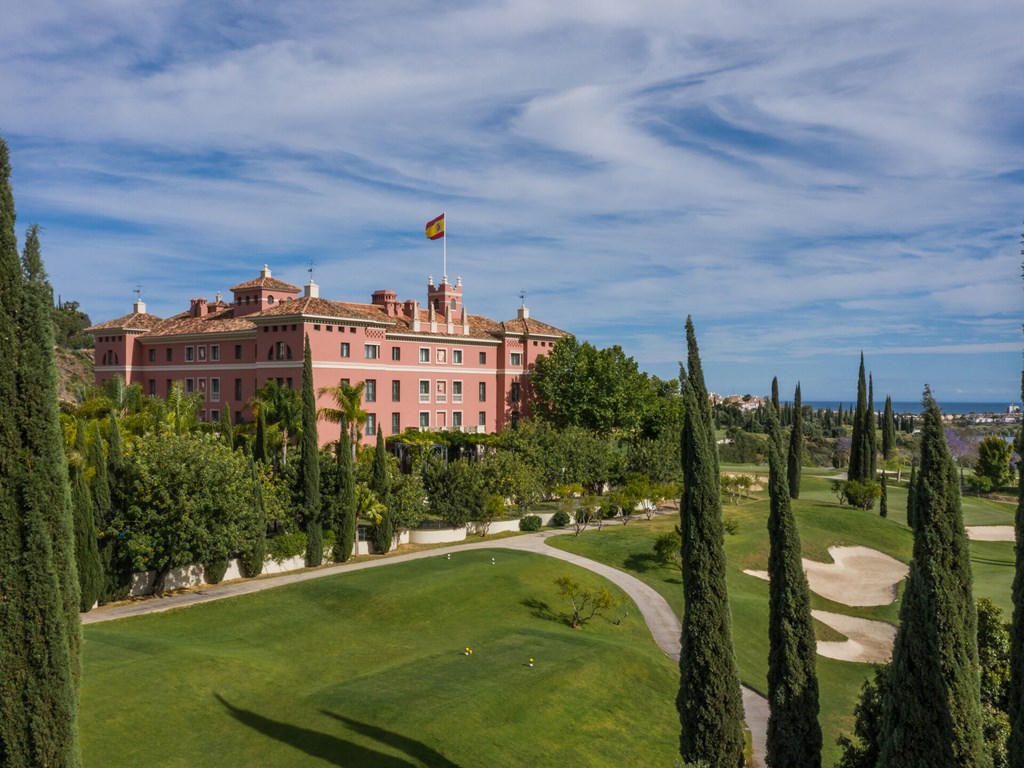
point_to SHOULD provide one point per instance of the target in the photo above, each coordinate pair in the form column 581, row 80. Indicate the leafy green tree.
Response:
column 281, row 407
column 586, row 602
column 87, row 555
column 709, row 702
column 795, row 454
column 508, row 477
column 933, row 714
column 994, row 455
column 39, row 591
column 456, row 492
column 260, row 451
column 869, row 713
column 407, row 502
column 185, row 499
column 668, row 549
column 69, row 324
column 309, row 466
column 794, row 735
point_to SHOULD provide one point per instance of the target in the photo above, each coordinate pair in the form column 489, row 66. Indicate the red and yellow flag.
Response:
column 435, row 228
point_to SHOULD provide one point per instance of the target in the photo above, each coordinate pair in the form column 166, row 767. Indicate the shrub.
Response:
column 213, row 571
column 559, row 520
column 286, row 545
column 730, row 525
column 529, row 523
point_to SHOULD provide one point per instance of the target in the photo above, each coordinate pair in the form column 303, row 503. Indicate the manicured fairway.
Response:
column 823, row 523
column 368, row 669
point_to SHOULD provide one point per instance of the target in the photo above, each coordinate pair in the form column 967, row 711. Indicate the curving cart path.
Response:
column 659, row 616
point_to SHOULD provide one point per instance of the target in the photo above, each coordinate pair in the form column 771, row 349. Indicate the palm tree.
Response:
column 280, row 406
column 182, row 408
column 349, row 412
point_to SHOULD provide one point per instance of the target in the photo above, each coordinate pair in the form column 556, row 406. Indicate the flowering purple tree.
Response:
column 963, row 448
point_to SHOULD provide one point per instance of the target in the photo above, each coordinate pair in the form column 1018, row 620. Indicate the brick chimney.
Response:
column 198, row 308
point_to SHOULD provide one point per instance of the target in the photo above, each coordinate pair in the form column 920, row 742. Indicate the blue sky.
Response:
column 807, row 180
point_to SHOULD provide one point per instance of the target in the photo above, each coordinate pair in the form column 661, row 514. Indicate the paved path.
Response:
column 656, row 611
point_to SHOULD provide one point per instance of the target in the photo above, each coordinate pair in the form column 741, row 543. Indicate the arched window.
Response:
column 270, row 299
column 248, row 299
column 453, row 303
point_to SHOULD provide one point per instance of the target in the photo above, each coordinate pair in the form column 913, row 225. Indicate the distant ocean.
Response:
column 915, row 407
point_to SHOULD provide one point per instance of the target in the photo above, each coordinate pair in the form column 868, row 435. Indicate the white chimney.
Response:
column 312, row 289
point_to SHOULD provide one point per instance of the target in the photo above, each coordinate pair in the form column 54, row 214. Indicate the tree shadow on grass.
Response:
column 417, row 750
column 642, row 562
column 541, row 610
column 337, row 751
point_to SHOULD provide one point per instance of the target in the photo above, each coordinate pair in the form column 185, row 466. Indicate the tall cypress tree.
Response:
column 870, row 424
column 39, row 593
column 259, row 448
column 344, row 523
column 911, row 496
column 1016, row 689
column 795, row 455
column 87, row 555
column 101, row 498
column 794, row 736
column 254, row 549
column 888, row 430
column 775, row 393
column 883, row 501
column 384, row 532
column 309, row 466
column 710, row 704
column 860, row 447
column 933, row 715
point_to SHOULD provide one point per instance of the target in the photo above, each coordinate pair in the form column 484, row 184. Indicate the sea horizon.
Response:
column 952, row 407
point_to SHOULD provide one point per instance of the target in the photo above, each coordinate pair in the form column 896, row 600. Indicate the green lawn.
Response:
column 367, row 669
column 823, row 523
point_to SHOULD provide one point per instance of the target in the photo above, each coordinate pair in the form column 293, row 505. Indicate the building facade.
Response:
column 432, row 367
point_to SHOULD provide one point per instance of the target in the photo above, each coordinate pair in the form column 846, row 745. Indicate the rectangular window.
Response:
column 215, row 351
column 514, row 394
column 457, row 419
column 190, row 385
column 396, row 353
column 517, row 358
column 238, row 351
column 483, row 391
column 483, row 358
column 370, row 392
column 372, row 351
column 456, row 391
column 152, row 387
column 457, row 357
column 424, row 420
column 170, row 354
column 424, row 355
column 190, row 354
column 396, row 422
column 290, row 383
column 152, row 355
column 424, row 391
column 371, row 424
column 202, row 354
column 215, row 390
column 482, row 418
column 238, row 389
column 345, row 349
column 214, row 415
column 238, row 417
column 169, row 385
column 396, row 391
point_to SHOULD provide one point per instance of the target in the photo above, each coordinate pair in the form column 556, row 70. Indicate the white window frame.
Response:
column 215, row 352
column 190, row 354
column 345, row 350
column 422, row 420
column 456, row 357
column 214, row 390
column 370, row 391
column 424, row 354
column 371, row 424
column 515, row 359
column 424, row 395
column 371, row 351
column 457, row 391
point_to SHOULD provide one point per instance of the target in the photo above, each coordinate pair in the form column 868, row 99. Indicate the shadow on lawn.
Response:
column 541, row 610
column 338, row 751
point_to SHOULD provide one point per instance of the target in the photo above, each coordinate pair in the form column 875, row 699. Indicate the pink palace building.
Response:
column 434, row 368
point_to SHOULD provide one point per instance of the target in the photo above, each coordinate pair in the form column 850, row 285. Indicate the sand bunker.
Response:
column 858, row 576
column 990, row 532
column 870, row 642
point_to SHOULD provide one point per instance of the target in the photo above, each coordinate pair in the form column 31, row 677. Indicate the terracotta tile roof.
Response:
column 136, row 321
column 270, row 283
column 310, row 305
column 222, row 320
column 531, row 327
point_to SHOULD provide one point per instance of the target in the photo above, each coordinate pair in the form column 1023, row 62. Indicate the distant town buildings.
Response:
column 432, row 367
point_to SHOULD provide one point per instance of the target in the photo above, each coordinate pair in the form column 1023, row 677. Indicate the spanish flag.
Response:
column 435, row 228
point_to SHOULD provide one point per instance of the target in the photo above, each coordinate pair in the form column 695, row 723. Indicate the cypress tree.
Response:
column 911, row 496
column 794, row 457
column 101, row 499
column 888, row 431
column 39, row 593
column 709, row 702
column 383, row 533
column 794, row 736
column 1015, row 695
column 87, row 555
column 860, row 462
column 870, row 423
column 309, row 466
column 254, row 550
column 259, row 448
column 883, row 502
column 933, row 715
column 775, row 393
column 344, row 523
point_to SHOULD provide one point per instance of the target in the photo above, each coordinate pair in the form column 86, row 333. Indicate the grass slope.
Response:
column 367, row 669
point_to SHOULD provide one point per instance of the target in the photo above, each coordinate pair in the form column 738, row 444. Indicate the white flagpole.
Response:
column 444, row 265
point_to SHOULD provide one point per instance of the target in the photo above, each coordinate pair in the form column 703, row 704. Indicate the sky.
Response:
column 807, row 180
